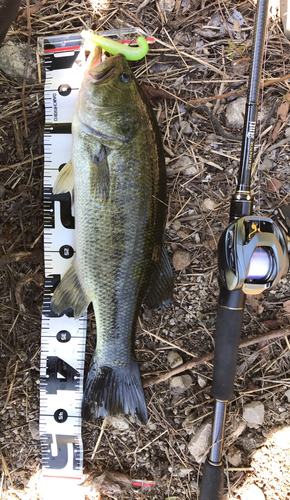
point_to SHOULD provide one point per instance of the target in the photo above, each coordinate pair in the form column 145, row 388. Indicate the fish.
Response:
column 118, row 177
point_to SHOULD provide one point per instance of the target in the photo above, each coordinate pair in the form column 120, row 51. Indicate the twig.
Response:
column 282, row 332
column 99, row 438
column 166, row 341
column 237, row 92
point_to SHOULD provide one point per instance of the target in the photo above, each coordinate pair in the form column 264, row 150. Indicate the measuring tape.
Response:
column 62, row 337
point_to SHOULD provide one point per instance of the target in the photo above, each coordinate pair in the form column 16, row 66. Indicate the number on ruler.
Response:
column 62, row 443
column 60, row 375
column 66, row 217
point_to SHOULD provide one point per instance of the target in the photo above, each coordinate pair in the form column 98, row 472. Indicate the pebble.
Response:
column 235, row 113
column 2, row 193
column 182, row 472
column 191, row 171
column 178, row 82
column 180, row 384
column 181, row 260
column 176, row 225
column 201, row 381
column 34, row 430
column 118, row 422
column 200, row 442
column 287, row 394
column 266, row 164
column 167, row 5
column 252, row 492
column 185, row 128
column 254, row 414
column 208, row 205
column 13, row 60
column 174, row 359
column 234, row 456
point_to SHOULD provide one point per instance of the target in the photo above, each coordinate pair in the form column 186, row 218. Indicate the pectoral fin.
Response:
column 70, row 293
column 65, row 180
column 100, row 176
column 160, row 291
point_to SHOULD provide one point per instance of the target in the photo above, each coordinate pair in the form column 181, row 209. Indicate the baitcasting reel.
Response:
column 253, row 255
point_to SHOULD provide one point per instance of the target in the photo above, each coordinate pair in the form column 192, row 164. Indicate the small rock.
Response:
column 181, row 259
column 266, row 164
column 2, row 193
column 191, row 171
column 185, row 128
column 167, row 5
column 13, row 61
column 208, row 205
column 287, row 132
column 184, row 471
column 200, row 442
column 287, row 394
column 152, row 426
column 23, row 356
column 234, row 456
column 235, row 113
column 174, row 359
column 34, row 430
column 182, row 234
column 254, row 414
column 184, row 161
column 180, row 384
column 178, row 82
column 176, row 225
column 201, row 381
column 118, row 422
column 252, row 492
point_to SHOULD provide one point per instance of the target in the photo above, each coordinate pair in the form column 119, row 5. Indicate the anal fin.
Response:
column 70, row 293
column 160, row 291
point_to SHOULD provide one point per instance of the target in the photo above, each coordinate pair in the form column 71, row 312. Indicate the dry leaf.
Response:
column 286, row 306
column 153, row 93
column 254, row 301
column 283, row 111
column 275, row 131
column 109, row 483
column 237, row 26
column 32, row 10
column 273, row 185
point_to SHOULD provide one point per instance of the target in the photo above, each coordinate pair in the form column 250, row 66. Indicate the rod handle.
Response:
column 212, row 484
column 227, row 338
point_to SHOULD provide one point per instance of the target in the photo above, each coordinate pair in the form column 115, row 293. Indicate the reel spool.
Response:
column 253, row 255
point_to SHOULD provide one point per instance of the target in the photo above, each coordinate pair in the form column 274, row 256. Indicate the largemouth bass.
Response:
column 118, row 175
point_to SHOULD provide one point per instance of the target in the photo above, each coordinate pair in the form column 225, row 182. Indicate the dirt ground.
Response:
column 195, row 59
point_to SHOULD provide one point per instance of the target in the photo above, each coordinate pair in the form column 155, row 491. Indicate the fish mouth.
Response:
column 100, row 70
column 103, row 75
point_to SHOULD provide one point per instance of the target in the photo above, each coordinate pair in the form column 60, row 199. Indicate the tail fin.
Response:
column 111, row 390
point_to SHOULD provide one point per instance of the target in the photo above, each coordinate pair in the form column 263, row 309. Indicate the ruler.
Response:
column 62, row 338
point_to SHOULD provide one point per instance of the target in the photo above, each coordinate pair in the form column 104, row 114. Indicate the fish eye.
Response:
column 125, row 77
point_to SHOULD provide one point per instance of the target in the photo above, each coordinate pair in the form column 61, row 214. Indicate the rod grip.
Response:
column 227, row 339
column 212, row 482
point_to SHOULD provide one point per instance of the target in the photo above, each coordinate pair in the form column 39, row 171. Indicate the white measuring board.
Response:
column 62, row 338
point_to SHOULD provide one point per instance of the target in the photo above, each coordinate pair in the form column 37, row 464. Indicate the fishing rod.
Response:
column 252, row 257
